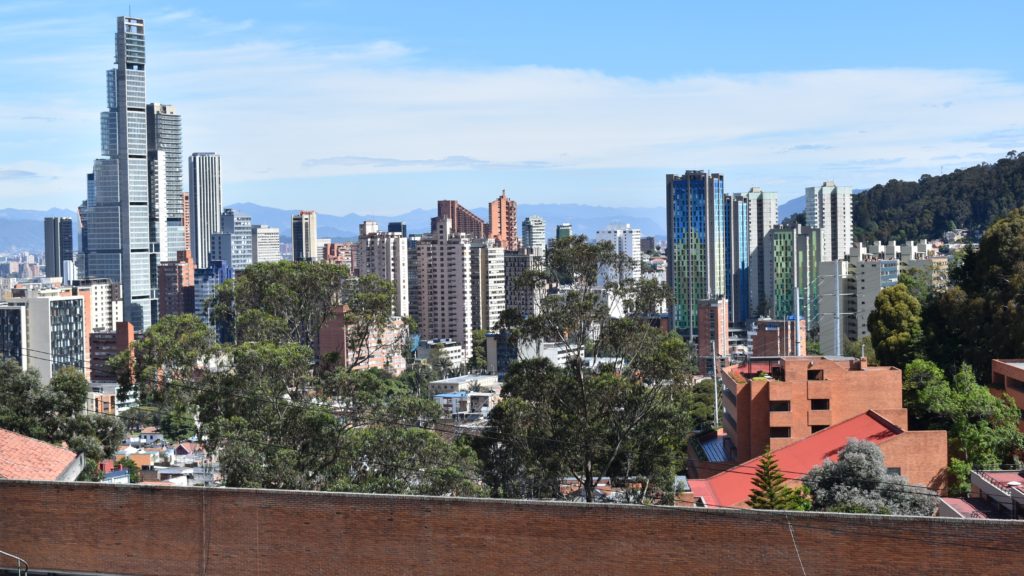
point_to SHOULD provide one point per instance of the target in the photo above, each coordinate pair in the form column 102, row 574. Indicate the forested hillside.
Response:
column 969, row 198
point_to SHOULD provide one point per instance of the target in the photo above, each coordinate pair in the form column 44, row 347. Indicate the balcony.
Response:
column 819, row 389
column 819, row 418
column 780, row 419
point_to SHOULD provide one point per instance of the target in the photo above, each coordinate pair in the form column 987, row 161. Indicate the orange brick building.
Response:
column 779, row 402
column 502, row 225
column 1008, row 379
column 919, row 456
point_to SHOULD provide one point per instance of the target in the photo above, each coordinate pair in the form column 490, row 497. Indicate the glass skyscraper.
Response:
column 737, row 258
column 697, row 269
column 120, row 243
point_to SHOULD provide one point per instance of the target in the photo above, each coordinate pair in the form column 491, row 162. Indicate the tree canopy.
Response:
column 620, row 405
column 895, row 326
column 771, row 491
column 858, row 481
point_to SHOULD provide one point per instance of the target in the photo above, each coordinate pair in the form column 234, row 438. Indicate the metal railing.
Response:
column 22, row 565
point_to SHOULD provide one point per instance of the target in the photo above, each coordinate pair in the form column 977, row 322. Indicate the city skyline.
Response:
column 597, row 122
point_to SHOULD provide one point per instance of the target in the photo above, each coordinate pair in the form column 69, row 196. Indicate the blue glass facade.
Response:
column 696, row 226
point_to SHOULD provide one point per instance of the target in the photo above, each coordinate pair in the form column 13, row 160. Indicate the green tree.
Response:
column 56, row 413
column 770, row 490
column 981, row 316
column 479, row 359
column 301, row 296
column 982, row 428
column 859, row 482
column 895, row 326
column 618, row 408
column 134, row 473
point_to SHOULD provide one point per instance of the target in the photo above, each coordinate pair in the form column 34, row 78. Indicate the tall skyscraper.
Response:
column 535, row 236
column 120, row 244
column 385, row 255
column 829, row 208
column 737, row 258
column 563, row 230
column 266, row 244
column 795, row 262
column 627, row 243
column 462, row 220
column 488, row 283
column 57, row 241
column 304, row 240
column 233, row 244
column 167, row 212
column 205, row 198
column 502, row 225
column 763, row 215
column 445, row 290
column 695, row 205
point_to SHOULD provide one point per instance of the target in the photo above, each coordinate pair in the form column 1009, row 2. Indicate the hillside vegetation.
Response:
column 971, row 198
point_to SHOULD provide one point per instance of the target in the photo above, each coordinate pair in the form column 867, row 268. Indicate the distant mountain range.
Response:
column 23, row 229
column 584, row 219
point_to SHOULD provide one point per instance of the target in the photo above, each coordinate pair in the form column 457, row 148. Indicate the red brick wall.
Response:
column 151, row 530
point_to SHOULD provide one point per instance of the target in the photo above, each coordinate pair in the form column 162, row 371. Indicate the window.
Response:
column 779, row 432
column 815, row 374
column 818, row 428
column 893, row 471
column 819, row 404
column 778, row 406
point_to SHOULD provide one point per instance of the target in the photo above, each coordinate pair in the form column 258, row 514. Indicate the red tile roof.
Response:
column 24, row 458
column 732, row 487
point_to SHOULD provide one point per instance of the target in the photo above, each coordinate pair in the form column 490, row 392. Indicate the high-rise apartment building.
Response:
column 762, row 216
column 205, row 199
column 563, row 230
column 54, row 329
column 233, row 244
column 848, row 287
column 488, row 283
column 304, row 239
column 105, row 307
column 524, row 298
column 445, row 292
column 695, row 204
column 535, row 237
column 57, row 242
column 177, row 285
column 737, row 257
column 342, row 254
column 795, row 261
column 626, row 241
column 830, row 209
column 462, row 220
column 414, row 277
column 503, row 225
column 385, row 255
column 266, row 244
column 120, row 244
column 166, row 197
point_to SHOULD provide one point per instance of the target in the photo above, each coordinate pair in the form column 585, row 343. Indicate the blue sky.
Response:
column 386, row 106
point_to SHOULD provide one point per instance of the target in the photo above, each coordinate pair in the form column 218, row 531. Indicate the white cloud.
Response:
column 288, row 111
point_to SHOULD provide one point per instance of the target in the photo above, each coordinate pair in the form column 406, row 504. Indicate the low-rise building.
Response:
column 1008, row 379
column 919, row 456
column 775, row 403
column 24, row 458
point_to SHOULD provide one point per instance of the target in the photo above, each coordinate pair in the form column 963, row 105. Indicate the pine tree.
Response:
column 770, row 490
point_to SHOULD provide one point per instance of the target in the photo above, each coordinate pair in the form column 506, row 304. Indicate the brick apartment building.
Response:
column 782, row 401
column 1008, row 379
